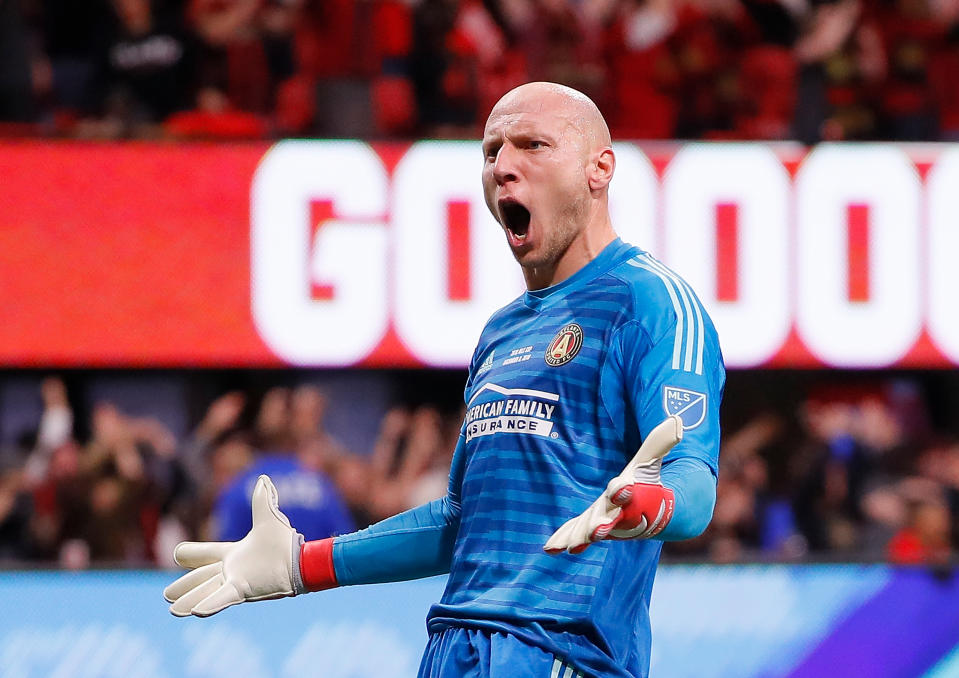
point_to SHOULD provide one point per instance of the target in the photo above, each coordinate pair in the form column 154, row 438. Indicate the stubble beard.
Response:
column 570, row 223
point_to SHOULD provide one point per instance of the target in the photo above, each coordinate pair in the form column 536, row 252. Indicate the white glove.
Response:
column 264, row 564
column 635, row 501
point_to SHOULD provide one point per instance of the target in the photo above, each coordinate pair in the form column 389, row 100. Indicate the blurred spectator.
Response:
column 55, row 429
column 105, row 501
column 72, row 36
column 308, row 497
column 308, row 417
column 16, row 82
column 751, row 516
column 101, row 504
column 560, row 40
column 829, row 470
column 710, row 36
column 841, row 65
column 768, row 69
column 942, row 71
column 452, row 43
column 940, row 463
column 221, row 417
column 857, row 450
column 147, row 64
column 215, row 453
column 925, row 538
column 406, row 449
column 272, row 426
column 231, row 56
column 277, row 20
column 232, row 454
column 214, row 118
column 337, row 55
column 644, row 75
column 294, row 449
column 912, row 37
column 16, row 511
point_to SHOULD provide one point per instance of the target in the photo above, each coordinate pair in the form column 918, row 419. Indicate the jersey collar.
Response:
column 611, row 255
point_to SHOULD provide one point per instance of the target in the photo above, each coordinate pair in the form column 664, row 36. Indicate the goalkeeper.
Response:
column 553, row 524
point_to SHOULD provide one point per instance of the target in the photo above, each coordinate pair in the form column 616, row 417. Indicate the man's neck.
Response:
column 586, row 247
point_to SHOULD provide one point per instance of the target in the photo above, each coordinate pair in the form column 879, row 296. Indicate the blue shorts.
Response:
column 477, row 653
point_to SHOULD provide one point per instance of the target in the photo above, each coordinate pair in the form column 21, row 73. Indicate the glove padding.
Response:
column 262, row 565
column 635, row 504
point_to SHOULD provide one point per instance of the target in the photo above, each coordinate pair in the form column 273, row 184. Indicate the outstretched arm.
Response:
column 272, row 561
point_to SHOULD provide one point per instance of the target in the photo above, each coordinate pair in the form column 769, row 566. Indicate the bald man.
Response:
column 553, row 523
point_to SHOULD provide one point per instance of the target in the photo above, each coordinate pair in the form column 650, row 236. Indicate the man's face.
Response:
column 534, row 177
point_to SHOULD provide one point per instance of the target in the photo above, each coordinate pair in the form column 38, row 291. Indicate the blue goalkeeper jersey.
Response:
column 563, row 386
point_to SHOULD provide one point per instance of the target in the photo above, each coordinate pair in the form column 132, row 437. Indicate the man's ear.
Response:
column 601, row 169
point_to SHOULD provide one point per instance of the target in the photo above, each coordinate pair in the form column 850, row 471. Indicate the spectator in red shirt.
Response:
column 643, row 73
column 924, row 540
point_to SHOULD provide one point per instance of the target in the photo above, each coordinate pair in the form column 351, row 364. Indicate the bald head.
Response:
column 562, row 101
column 547, row 166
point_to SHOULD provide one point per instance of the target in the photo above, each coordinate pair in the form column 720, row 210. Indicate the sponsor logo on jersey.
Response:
column 690, row 406
column 565, row 345
column 513, row 410
column 487, row 364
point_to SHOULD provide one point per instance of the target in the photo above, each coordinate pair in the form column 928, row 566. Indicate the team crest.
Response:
column 690, row 406
column 565, row 345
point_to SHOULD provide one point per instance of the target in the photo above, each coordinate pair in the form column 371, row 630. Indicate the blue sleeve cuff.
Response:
column 694, row 488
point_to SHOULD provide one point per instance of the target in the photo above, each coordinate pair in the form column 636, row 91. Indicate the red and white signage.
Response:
column 335, row 253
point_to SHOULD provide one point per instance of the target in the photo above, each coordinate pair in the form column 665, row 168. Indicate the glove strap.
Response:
column 316, row 565
column 296, row 577
column 649, row 473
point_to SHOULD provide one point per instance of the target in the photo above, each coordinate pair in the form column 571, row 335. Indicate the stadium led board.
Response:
column 735, row 621
column 343, row 253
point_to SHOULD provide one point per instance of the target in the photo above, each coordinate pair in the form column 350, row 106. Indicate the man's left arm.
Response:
column 678, row 372
column 666, row 392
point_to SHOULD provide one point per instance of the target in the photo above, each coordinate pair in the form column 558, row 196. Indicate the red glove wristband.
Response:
column 316, row 565
column 644, row 503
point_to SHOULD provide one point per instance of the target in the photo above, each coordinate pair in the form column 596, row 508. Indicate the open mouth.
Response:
column 515, row 218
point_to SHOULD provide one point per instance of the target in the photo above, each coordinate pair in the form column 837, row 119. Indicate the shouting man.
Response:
column 607, row 351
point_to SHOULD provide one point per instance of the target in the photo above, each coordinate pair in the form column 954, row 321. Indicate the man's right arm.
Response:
column 414, row 544
column 272, row 561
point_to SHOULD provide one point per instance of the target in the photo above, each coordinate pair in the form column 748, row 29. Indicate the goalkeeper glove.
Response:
column 265, row 564
column 635, row 504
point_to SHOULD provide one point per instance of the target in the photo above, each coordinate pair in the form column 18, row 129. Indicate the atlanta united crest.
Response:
column 565, row 345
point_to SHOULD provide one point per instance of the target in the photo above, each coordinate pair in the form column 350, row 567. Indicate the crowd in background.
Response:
column 847, row 474
column 131, row 490
column 855, row 473
column 660, row 69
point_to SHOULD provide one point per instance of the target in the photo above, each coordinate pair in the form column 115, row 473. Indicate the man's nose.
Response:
column 504, row 169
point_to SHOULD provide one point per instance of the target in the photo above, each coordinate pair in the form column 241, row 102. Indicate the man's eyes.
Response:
column 491, row 152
